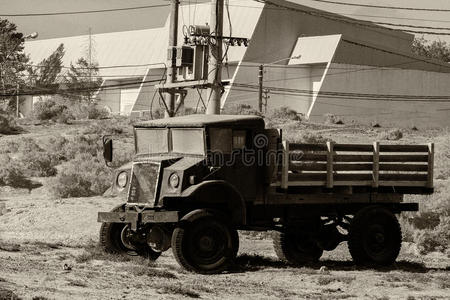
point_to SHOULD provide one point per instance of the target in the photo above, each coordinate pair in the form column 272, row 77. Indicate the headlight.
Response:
column 174, row 180
column 122, row 179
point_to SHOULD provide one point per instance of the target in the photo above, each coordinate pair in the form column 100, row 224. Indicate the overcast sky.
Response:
column 69, row 25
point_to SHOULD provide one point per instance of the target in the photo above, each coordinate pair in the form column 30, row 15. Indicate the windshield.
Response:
column 174, row 140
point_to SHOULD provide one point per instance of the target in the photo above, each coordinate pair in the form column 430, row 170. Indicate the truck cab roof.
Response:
column 205, row 121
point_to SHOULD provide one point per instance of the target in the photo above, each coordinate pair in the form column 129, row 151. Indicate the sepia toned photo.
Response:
column 224, row 149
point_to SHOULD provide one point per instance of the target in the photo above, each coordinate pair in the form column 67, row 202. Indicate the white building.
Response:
column 344, row 66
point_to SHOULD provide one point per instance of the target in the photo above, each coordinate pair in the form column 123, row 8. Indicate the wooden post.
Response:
column 285, row 166
column 215, row 59
column 376, row 164
column 430, row 165
column 330, row 151
column 173, row 41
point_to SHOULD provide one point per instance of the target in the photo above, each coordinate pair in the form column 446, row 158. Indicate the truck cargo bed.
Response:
column 407, row 169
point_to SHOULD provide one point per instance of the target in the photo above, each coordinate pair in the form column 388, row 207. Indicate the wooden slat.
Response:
column 353, row 167
column 430, row 165
column 376, row 164
column 308, row 177
column 353, row 177
column 403, row 177
column 407, row 183
column 353, row 158
column 308, row 157
column 285, row 166
column 403, row 158
column 353, row 147
column 330, row 152
column 404, row 167
column 300, row 166
column 404, row 148
column 307, row 147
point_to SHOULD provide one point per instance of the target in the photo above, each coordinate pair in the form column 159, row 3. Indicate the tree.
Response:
column 82, row 80
column 432, row 49
column 44, row 76
column 12, row 59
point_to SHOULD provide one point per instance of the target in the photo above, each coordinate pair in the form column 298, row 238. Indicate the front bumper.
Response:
column 134, row 218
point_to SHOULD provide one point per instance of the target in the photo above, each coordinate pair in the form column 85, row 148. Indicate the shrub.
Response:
column 333, row 119
column 284, row 113
column 391, row 135
column 38, row 163
column 10, row 173
column 241, row 109
column 94, row 112
column 52, row 110
column 83, row 176
column 8, row 125
column 436, row 239
column 306, row 137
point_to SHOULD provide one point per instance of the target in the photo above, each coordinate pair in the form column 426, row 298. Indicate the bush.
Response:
column 391, row 135
column 52, row 110
column 94, row 112
column 284, row 113
column 333, row 119
column 38, row 163
column 434, row 240
column 10, row 174
column 306, row 137
column 8, row 125
column 84, row 176
column 240, row 109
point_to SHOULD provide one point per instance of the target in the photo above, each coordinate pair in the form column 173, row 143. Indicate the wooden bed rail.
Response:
column 375, row 165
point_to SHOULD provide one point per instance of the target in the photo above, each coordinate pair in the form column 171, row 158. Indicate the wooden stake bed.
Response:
column 356, row 165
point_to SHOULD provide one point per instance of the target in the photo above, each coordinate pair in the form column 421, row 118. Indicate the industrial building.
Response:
column 314, row 62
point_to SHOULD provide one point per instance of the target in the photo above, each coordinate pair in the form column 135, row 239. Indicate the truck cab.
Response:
column 195, row 180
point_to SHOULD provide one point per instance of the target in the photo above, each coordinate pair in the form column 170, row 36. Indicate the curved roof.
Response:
column 204, row 121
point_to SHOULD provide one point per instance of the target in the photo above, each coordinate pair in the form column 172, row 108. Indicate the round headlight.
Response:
column 174, row 180
column 122, row 179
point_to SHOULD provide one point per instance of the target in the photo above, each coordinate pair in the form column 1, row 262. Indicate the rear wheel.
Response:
column 118, row 238
column 205, row 243
column 296, row 247
column 375, row 236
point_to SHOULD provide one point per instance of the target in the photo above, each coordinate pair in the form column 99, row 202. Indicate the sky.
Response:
column 70, row 25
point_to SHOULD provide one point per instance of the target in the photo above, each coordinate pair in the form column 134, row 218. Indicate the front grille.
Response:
column 144, row 183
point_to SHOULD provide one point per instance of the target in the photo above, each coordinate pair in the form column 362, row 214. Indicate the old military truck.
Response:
column 196, row 180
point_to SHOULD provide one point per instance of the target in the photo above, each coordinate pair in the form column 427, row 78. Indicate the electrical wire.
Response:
column 335, row 17
column 83, row 12
column 382, row 6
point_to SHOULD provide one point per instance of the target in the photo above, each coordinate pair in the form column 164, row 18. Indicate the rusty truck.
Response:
column 196, row 180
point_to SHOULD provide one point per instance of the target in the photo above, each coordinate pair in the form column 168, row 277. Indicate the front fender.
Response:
column 218, row 192
column 114, row 190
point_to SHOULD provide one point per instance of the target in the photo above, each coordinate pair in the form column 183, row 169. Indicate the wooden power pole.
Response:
column 261, row 87
column 173, row 41
column 215, row 58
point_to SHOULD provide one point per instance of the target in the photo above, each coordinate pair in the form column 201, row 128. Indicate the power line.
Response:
column 355, row 96
column 82, row 12
column 352, row 21
column 382, row 6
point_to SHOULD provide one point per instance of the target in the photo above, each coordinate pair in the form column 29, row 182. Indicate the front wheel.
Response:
column 205, row 243
column 118, row 238
column 375, row 236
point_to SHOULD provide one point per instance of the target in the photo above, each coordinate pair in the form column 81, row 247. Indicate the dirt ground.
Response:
column 48, row 251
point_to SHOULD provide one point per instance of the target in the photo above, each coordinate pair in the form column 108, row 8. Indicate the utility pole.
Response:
column 215, row 58
column 17, row 101
column 261, row 89
column 90, row 64
column 173, row 41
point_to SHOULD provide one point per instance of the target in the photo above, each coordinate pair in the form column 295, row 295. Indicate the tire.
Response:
column 375, row 237
column 205, row 243
column 113, row 239
column 296, row 247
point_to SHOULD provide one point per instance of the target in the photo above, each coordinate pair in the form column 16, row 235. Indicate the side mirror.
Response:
column 107, row 149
